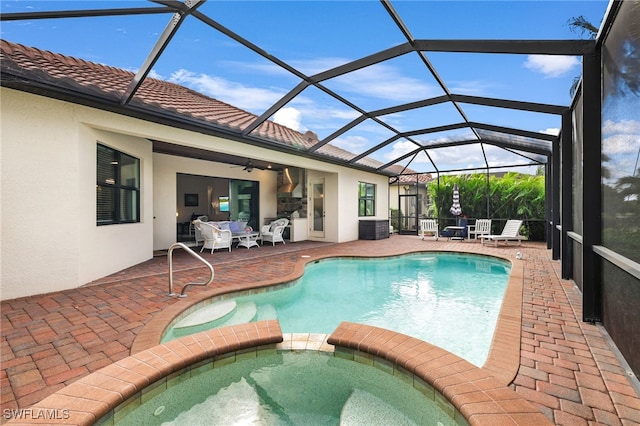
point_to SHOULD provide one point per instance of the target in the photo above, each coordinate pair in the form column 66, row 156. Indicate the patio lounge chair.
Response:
column 511, row 232
column 481, row 227
column 429, row 226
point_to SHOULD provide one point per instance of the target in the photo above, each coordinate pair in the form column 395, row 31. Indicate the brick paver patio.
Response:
column 568, row 369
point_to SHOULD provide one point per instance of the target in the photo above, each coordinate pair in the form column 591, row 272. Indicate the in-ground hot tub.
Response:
column 110, row 394
column 287, row 388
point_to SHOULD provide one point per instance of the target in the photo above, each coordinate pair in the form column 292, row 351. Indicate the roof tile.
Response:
column 111, row 84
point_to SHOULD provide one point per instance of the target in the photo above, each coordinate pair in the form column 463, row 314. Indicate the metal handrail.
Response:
column 194, row 254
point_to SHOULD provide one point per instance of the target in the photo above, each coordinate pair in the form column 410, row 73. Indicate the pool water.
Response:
column 447, row 299
column 290, row 388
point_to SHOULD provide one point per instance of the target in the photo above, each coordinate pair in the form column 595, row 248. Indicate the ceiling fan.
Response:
column 248, row 166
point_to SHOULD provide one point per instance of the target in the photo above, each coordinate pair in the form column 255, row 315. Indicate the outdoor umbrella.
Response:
column 455, row 209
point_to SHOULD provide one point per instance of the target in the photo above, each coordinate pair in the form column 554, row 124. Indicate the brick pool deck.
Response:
column 567, row 368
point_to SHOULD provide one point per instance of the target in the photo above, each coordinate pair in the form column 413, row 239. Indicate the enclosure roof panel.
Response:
column 379, row 86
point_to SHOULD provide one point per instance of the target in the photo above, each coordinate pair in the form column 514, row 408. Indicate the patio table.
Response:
column 457, row 232
column 247, row 239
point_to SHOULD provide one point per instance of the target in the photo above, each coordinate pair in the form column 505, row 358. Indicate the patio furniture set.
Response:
column 221, row 235
column 480, row 229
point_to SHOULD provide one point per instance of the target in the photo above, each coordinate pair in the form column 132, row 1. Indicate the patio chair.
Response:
column 481, row 227
column 274, row 232
column 192, row 227
column 196, row 231
column 264, row 230
column 214, row 238
column 511, row 232
column 429, row 226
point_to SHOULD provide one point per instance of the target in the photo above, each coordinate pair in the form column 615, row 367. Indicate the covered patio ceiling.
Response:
column 434, row 126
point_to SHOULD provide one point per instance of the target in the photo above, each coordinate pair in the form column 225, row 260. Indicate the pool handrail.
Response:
column 194, row 254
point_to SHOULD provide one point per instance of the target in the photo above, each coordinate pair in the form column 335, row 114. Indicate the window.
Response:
column 117, row 188
column 366, row 199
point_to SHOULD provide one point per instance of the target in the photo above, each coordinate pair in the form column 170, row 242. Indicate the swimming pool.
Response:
column 289, row 388
column 448, row 299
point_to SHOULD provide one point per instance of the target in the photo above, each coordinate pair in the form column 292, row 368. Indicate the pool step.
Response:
column 218, row 311
column 244, row 313
column 363, row 408
column 266, row 312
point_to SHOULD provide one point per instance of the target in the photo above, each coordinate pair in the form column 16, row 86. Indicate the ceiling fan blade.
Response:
column 248, row 166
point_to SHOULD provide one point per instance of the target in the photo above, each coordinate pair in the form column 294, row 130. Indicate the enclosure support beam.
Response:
column 591, row 187
column 566, row 196
column 488, row 192
column 555, row 201
column 548, row 213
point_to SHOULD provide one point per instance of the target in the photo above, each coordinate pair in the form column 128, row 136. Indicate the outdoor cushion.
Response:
column 233, row 227
column 223, row 225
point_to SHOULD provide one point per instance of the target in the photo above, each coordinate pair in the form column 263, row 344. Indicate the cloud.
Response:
column 551, row 66
column 289, row 117
column 153, row 74
column 315, row 66
column 384, row 82
column 264, row 68
column 399, row 149
column 249, row 98
column 457, row 157
column 307, row 110
column 620, row 137
column 611, row 127
column 317, row 116
column 554, row 131
column 471, row 87
column 620, row 144
column 353, row 144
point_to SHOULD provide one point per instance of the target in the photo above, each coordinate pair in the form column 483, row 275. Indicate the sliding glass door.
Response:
column 244, row 202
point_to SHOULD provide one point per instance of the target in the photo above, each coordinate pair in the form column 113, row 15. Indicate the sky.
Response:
column 314, row 36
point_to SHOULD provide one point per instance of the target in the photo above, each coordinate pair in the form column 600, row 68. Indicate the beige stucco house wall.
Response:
column 49, row 239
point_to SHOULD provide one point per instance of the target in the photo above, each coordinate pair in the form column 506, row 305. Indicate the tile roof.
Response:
column 110, row 84
column 413, row 178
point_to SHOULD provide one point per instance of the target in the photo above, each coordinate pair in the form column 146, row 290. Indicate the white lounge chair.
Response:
column 511, row 232
column 481, row 227
column 429, row 226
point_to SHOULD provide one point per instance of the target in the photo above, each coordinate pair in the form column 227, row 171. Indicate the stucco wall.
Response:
column 348, row 201
column 49, row 239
